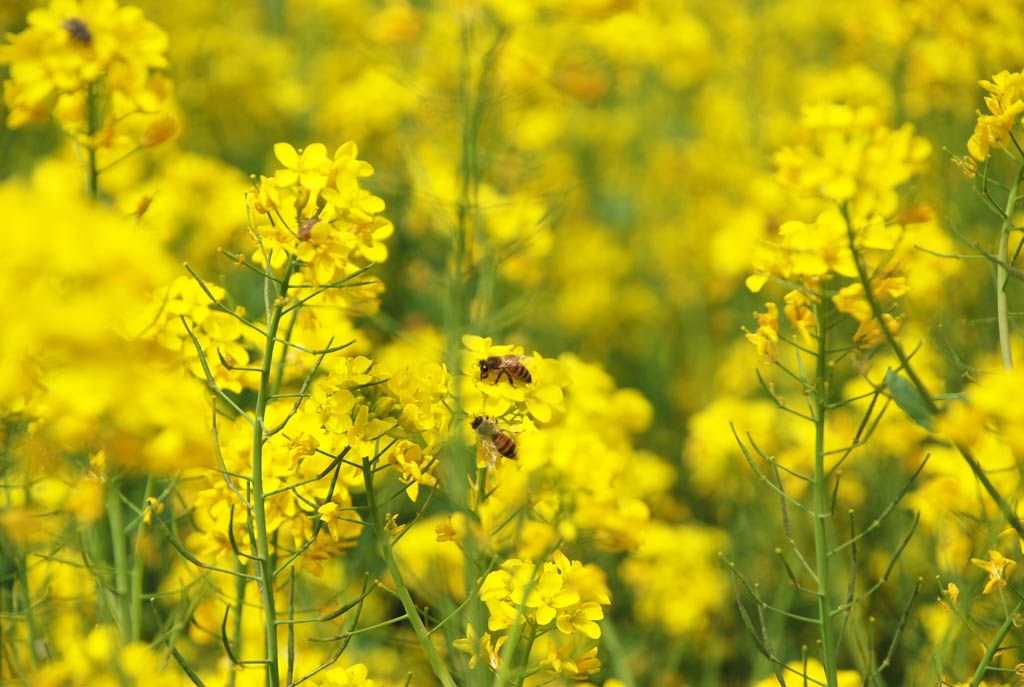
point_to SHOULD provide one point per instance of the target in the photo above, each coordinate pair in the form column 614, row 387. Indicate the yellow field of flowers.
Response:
column 511, row 343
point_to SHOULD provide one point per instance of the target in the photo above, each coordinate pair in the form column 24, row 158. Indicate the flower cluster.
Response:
column 97, row 659
column 325, row 219
column 510, row 160
column 186, row 308
column 95, row 67
column 91, row 320
column 368, row 409
column 501, row 396
column 852, row 158
column 559, row 594
column 855, row 165
column 1005, row 104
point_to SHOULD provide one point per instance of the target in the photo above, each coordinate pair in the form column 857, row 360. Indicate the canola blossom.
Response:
column 607, row 343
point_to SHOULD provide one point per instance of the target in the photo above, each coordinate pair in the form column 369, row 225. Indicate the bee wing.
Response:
column 491, row 453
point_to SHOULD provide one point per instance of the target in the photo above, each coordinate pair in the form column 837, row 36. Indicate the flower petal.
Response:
column 286, row 154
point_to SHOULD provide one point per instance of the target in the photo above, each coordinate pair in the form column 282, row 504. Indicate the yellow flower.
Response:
column 766, row 338
column 354, row 676
column 413, row 464
column 452, row 530
column 998, row 568
column 1006, row 105
column 540, row 398
column 852, row 158
column 329, row 516
column 74, row 47
column 153, row 506
column 560, row 661
column 851, row 300
column 491, row 653
column 816, row 672
column 800, row 314
column 309, row 168
column 352, row 203
column 86, row 499
column 953, row 592
column 548, row 595
column 503, row 590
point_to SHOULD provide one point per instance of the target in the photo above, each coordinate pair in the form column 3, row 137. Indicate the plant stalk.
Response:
column 138, row 567
column 1002, row 311
column 92, row 172
column 413, row 613
column 821, row 500
column 120, row 554
column 266, row 569
column 993, row 646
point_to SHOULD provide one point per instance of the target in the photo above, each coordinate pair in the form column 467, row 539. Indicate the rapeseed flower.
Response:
column 74, row 52
column 998, row 568
column 353, row 676
column 540, row 399
column 1006, row 105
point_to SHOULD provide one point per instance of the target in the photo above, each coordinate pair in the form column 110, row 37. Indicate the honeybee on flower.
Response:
column 493, row 441
column 540, row 397
column 509, row 365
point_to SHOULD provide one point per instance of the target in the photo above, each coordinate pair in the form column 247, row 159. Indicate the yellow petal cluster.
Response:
column 1005, row 103
column 97, row 68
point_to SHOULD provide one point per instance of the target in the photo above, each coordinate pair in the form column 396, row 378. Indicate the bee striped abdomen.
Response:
column 518, row 370
column 505, row 444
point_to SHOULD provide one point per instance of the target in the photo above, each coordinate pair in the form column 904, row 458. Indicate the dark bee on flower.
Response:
column 306, row 228
column 494, row 441
column 508, row 365
column 78, row 30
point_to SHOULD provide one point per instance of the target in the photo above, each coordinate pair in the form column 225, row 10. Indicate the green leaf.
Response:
column 909, row 400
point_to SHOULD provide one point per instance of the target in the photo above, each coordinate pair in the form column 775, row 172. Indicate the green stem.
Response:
column 821, row 504
column 1001, row 273
column 120, row 552
column 266, row 569
column 525, row 660
column 92, row 172
column 29, row 620
column 413, row 613
column 619, row 660
column 240, row 583
column 137, row 567
column 993, row 646
column 279, row 379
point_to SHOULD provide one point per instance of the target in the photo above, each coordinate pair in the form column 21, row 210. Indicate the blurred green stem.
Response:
column 120, row 554
column 1002, row 312
column 619, row 659
column 138, row 567
column 466, row 246
column 92, row 172
column 266, row 572
column 993, row 646
column 820, row 494
column 387, row 552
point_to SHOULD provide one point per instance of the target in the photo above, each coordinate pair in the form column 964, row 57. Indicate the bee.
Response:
column 78, row 30
column 508, row 365
column 495, row 442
